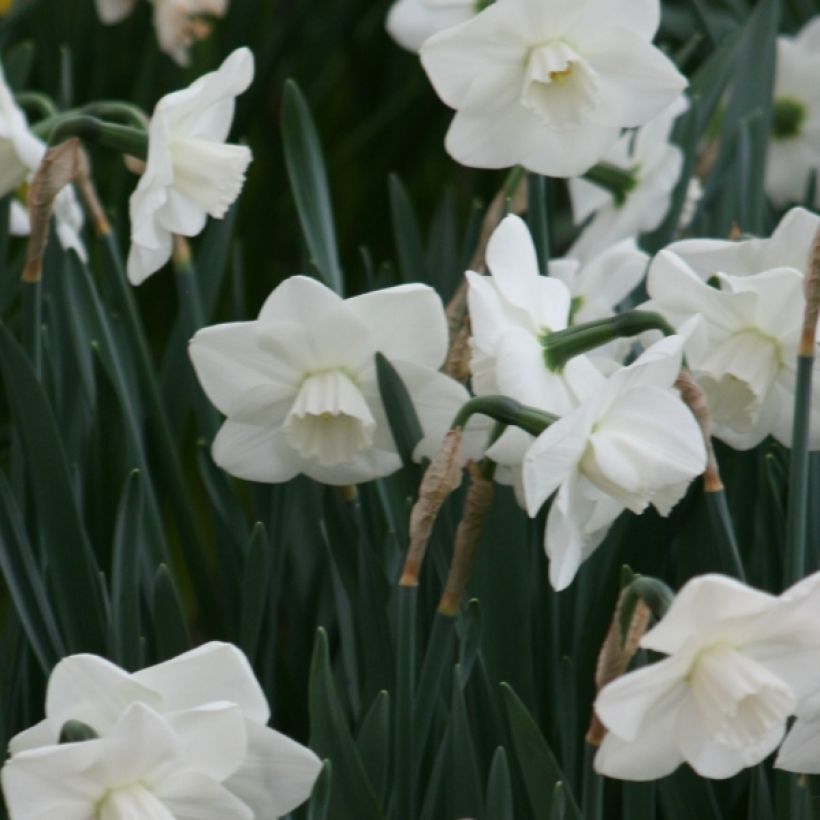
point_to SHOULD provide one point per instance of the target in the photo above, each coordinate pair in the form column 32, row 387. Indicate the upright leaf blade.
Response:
column 69, row 553
column 308, row 181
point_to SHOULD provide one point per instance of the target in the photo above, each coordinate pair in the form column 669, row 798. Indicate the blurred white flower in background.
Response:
column 655, row 164
column 185, row 738
column 178, row 23
column 632, row 443
column 299, row 385
column 741, row 347
column 548, row 84
column 411, row 22
column 794, row 143
column 19, row 222
column 21, row 152
column 740, row 661
column 190, row 172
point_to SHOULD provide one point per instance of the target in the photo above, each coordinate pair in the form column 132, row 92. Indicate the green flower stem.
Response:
column 120, row 138
column 616, row 180
column 193, row 313
column 512, row 182
column 720, row 519
column 798, row 504
column 35, row 101
column 437, row 658
column 561, row 346
column 506, row 411
column 405, row 795
column 117, row 110
column 180, row 501
column 32, row 322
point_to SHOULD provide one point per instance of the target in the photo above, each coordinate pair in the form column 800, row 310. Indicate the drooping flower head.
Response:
column 655, row 164
column 740, row 661
column 549, row 84
column 178, row 23
column 190, row 172
column 299, row 385
column 632, row 443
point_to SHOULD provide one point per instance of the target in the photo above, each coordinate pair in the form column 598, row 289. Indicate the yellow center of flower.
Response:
column 561, row 76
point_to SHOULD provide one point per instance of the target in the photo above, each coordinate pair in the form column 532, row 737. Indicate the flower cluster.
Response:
column 178, row 23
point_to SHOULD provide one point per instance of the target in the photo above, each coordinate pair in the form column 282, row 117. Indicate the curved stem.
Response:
column 561, row 346
column 121, row 138
column 507, row 411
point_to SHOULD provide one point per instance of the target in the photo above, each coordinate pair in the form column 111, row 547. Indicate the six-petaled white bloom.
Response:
column 189, row 735
column 794, row 144
column 548, row 84
column 21, row 152
column 655, row 165
column 178, row 23
column 741, row 346
column 739, row 663
column 190, row 172
column 411, row 22
column 299, row 385
column 511, row 311
column 631, row 443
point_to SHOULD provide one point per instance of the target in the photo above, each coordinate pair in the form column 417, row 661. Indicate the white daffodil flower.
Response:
column 630, row 444
column 411, row 22
column 299, row 385
column 789, row 246
column 548, row 84
column 178, row 23
column 511, row 311
column 655, row 164
column 742, row 348
column 20, row 155
column 190, row 172
column 141, row 768
column 740, row 661
column 113, row 11
column 202, row 711
column 794, row 144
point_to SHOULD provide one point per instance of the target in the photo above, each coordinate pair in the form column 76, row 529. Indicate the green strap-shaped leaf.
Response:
column 499, row 788
column 404, row 423
column 255, row 588
column 319, row 808
column 127, row 552
column 171, row 636
column 465, row 782
column 308, row 181
column 409, row 247
column 71, row 559
column 536, row 760
column 25, row 585
column 330, row 737
column 373, row 742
